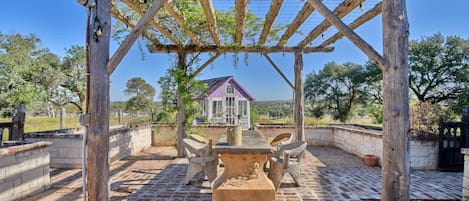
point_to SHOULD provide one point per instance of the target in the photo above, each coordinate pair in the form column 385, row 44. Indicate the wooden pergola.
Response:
column 392, row 62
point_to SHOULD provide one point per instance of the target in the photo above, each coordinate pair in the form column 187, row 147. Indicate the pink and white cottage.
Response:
column 225, row 103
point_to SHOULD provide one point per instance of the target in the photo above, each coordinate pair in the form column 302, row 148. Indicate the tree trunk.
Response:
column 299, row 98
column 98, row 129
column 396, row 123
column 181, row 116
column 48, row 108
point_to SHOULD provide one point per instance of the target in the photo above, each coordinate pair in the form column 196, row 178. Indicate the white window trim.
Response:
column 232, row 87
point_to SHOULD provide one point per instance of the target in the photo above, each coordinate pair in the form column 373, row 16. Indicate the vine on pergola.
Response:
column 188, row 25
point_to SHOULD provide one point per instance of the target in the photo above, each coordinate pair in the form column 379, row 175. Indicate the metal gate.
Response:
column 452, row 137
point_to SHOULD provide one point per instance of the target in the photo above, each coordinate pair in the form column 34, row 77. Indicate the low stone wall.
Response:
column 164, row 134
column 423, row 154
column 360, row 142
column 315, row 136
column 24, row 170
column 66, row 148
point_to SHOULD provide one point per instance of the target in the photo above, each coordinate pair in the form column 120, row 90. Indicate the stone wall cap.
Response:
column 23, row 147
column 353, row 128
column 52, row 135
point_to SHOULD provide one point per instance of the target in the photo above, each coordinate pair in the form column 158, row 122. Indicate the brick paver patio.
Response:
column 327, row 174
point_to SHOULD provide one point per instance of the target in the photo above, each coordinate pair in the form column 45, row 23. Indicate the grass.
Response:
column 312, row 121
column 36, row 124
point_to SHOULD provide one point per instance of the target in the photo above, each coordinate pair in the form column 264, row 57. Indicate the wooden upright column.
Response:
column 299, row 98
column 181, row 115
column 98, row 108
column 396, row 124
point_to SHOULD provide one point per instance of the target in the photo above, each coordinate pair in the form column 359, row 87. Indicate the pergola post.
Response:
column 181, row 114
column 98, row 108
column 299, row 98
column 396, row 121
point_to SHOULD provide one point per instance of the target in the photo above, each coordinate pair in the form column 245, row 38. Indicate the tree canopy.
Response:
column 141, row 94
column 20, row 60
column 439, row 68
column 74, row 72
column 336, row 88
column 33, row 76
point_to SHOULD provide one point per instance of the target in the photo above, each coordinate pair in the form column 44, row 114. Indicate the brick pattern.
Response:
column 24, row 171
column 327, row 174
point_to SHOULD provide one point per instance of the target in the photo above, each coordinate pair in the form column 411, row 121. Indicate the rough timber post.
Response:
column 299, row 98
column 396, row 124
column 181, row 116
column 98, row 129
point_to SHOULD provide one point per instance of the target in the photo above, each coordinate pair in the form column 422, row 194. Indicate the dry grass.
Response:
column 36, row 124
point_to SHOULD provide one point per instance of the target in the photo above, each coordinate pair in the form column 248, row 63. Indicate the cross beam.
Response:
column 234, row 49
column 352, row 36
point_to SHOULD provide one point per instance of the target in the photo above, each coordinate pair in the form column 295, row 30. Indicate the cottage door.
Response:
column 230, row 110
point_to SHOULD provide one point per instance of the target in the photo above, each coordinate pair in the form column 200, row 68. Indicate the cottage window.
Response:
column 217, row 109
column 229, row 89
column 243, row 108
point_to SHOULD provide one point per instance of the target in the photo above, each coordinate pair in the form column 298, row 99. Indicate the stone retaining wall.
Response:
column 360, row 142
column 164, row 134
column 24, row 170
column 66, row 148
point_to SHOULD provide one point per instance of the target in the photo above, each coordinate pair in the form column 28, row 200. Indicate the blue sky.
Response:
column 61, row 24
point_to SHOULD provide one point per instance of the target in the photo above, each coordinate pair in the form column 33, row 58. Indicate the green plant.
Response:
column 376, row 112
column 137, row 121
column 424, row 117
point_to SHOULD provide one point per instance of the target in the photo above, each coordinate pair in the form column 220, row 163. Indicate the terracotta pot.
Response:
column 371, row 160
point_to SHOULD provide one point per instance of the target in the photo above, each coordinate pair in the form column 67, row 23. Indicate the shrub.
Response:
column 376, row 112
column 424, row 117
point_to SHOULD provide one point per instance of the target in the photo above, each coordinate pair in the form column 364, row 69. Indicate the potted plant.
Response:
column 371, row 160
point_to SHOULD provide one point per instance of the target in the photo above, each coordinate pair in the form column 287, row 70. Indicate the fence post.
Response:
column 17, row 129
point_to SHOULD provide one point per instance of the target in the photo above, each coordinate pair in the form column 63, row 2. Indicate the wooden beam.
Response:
column 174, row 11
column 240, row 15
column 133, row 35
column 299, row 20
column 154, row 23
column 396, row 121
column 370, row 14
column 340, row 11
column 352, row 36
column 299, row 98
column 119, row 15
column 225, row 49
column 181, row 114
column 211, row 19
column 98, row 129
column 279, row 71
column 269, row 20
column 203, row 66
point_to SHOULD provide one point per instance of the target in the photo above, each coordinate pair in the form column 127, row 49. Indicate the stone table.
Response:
column 243, row 177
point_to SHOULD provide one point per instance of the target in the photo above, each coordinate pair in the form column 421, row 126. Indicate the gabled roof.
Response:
column 215, row 83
